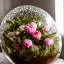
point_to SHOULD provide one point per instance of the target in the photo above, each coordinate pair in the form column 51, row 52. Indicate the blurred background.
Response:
column 7, row 5
column 53, row 7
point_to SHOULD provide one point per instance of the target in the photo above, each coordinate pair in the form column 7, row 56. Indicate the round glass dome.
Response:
column 29, row 35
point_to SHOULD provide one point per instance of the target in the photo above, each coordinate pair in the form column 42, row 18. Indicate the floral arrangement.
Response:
column 27, row 37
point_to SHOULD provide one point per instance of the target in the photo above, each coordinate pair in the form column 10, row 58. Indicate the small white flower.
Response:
column 17, row 32
column 21, row 27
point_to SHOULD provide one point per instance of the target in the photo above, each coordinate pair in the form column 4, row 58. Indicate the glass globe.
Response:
column 47, row 56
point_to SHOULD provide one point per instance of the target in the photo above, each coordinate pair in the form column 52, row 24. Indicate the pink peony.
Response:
column 27, row 43
column 30, row 28
column 34, row 25
column 45, row 28
column 16, row 46
column 37, row 35
column 48, row 41
column 10, row 36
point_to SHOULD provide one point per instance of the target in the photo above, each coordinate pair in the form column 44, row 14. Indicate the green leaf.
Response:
column 45, row 34
column 45, row 52
column 12, row 25
column 18, row 19
column 38, row 18
column 19, row 40
column 25, row 21
column 24, row 51
column 30, row 19
column 9, row 22
column 24, row 37
column 7, row 42
column 54, row 49
column 21, row 18
column 53, row 34
column 35, row 49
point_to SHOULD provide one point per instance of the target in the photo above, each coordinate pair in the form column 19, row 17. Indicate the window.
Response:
column 59, row 15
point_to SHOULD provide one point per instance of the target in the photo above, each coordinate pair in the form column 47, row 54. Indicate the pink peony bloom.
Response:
column 45, row 28
column 10, row 36
column 34, row 25
column 37, row 35
column 48, row 41
column 27, row 43
column 16, row 46
column 30, row 28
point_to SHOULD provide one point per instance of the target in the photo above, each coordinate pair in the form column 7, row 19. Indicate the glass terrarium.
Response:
column 29, row 35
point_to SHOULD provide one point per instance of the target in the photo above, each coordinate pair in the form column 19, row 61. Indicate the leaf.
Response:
column 24, row 37
column 9, row 22
column 35, row 49
column 25, row 21
column 30, row 19
column 54, row 49
column 18, row 19
column 45, row 34
column 24, row 51
column 53, row 34
column 12, row 25
column 45, row 52
column 38, row 18
column 7, row 42
column 19, row 40
column 21, row 18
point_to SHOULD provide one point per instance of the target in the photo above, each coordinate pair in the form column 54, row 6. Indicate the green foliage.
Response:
column 7, row 45
column 38, row 48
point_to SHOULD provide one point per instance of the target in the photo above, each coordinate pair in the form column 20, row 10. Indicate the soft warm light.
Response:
column 59, row 15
